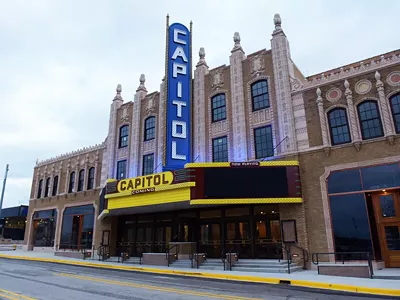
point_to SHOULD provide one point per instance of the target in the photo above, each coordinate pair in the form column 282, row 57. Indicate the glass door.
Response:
column 387, row 211
column 210, row 239
column 268, row 239
column 238, row 238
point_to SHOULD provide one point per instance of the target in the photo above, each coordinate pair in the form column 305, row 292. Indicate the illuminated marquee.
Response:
column 178, row 129
column 145, row 183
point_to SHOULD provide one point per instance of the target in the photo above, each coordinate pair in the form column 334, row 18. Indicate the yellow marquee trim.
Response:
column 245, row 201
column 275, row 163
column 146, row 199
column 110, row 180
column 157, row 189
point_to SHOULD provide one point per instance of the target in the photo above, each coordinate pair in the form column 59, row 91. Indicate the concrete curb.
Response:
column 244, row 278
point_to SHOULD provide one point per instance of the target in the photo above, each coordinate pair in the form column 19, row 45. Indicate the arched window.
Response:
column 218, row 108
column 123, row 136
column 81, row 180
column 90, row 183
column 40, row 188
column 149, row 128
column 339, row 126
column 260, row 95
column 55, row 186
column 71, row 182
column 395, row 105
column 47, row 188
column 370, row 120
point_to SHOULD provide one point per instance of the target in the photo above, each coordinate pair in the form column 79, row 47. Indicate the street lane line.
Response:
column 157, row 288
column 16, row 295
column 7, row 297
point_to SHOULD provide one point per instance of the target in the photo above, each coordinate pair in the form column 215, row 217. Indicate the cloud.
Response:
column 60, row 61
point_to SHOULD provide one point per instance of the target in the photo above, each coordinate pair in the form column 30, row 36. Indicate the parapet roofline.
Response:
column 61, row 157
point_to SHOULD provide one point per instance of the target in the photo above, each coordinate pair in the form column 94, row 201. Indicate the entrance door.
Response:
column 268, row 242
column 210, row 239
column 77, row 222
column 238, row 238
column 163, row 237
column 387, row 211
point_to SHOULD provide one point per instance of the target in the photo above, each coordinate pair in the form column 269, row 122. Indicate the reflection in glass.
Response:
column 387, row 206
column 381, row 177
column 392, row 237
column 344, row 181
column 350, row 223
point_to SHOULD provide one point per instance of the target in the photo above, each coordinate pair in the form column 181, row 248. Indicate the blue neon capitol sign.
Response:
column 178, row 131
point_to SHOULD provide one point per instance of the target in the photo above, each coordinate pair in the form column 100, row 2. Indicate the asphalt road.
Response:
column 35, row 280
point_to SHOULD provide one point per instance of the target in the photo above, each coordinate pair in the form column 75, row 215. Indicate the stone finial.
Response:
column 377, row 76
column 236, row 39
column 142, row 80
column 118, row 95
column 277, row 22
column 319, row 92
column 346, row 84
column 202, row 53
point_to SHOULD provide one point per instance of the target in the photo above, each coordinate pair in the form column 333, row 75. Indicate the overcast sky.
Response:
column 60, row 61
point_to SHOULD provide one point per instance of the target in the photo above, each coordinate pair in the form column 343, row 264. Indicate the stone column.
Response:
column 199, row 109
column 387, row 118
column 161, row 129
column 322, row 119
column 141, row 92
column 352, row 114
column 283, row 70
column 238, row 116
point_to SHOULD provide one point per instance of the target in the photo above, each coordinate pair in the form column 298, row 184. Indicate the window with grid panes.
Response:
column 218, row 107
column 395, row 106
column 121, row 169
column 260, row 95
column 148, row 164
column 220, row 149
column 339, row 126
column 71, row 182
column 264, row 145
column 370, row 120
column 149, row 128
column 123, row 136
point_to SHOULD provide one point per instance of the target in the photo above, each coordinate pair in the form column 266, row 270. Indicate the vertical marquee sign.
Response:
column 178, row 106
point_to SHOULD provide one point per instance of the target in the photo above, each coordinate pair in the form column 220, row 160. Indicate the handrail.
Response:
column 223, row 257
column 191, row 255
column 315, row 258
column 102, row 252
column 289, row 255
column 167, row 254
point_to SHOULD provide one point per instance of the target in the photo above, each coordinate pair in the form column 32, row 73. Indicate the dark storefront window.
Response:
column 77, row 227
column 381, row 177
column 263, row 142
column 220, row 149
column 344, row 181
column 44, row 226
column 395, row 106
column 350, row 223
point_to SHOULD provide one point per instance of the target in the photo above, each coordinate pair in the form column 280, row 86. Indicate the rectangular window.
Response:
column 264, row 146
column 121, row 169
column 148, row 164
column 220, row 149
column 350, row 224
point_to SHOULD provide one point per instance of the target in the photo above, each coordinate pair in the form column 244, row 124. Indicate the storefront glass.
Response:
column 44, row 228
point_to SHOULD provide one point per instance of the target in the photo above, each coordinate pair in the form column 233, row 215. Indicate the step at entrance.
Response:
column 212, row 264
column 181, row 263
column 265, row 266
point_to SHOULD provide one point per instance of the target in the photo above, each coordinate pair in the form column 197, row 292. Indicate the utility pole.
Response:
column 2, row 197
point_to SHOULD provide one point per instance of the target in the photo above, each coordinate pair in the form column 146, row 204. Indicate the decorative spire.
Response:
column 319, row 98
column 377, row 76
column 142, row 87
column 236, row 39
column 118, row 95
column 202, row 55
column 346, row 84
column 277, row 22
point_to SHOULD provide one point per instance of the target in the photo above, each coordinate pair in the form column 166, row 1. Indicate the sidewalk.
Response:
column 309, row 278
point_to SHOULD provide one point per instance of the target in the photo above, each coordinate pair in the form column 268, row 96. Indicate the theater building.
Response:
column 253, row 156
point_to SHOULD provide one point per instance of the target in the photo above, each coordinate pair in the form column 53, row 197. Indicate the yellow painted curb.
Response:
column 249, row 278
